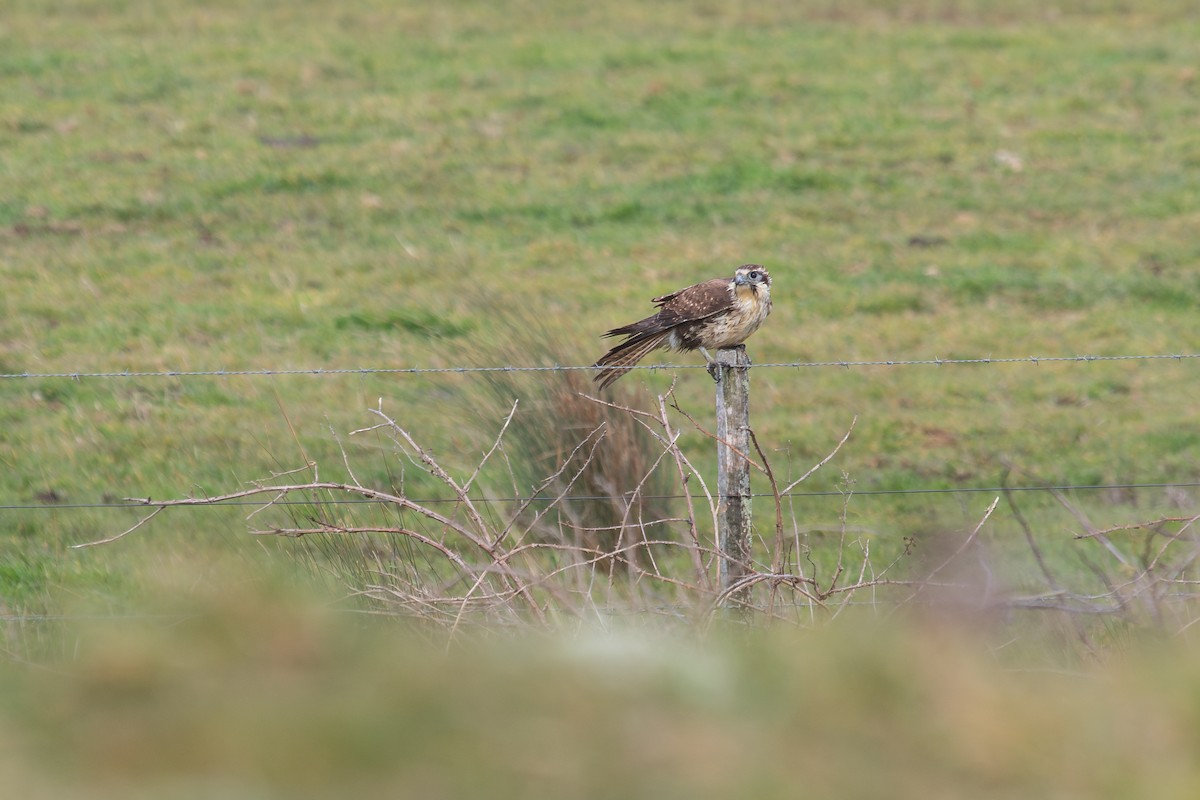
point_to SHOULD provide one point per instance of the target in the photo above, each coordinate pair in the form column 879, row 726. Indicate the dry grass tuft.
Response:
column 597, row 464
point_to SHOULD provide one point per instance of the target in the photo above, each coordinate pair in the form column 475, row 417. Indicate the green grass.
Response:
column 283, row 187
column 290, row 185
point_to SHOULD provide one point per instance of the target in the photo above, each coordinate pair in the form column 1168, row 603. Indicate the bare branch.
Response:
column 958, row 551
column 296, row 533
column 717, row 439
column 438, row 472
column 479, row 467
column 1138, row 526
column 1037, row 553
column 124, row 533
column 824, row 460
column 681, row 469
column 348, row 488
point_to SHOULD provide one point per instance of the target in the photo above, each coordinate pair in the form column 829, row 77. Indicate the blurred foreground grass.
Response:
column 256, row 693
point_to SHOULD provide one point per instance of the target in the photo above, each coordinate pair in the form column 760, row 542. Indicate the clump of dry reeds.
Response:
column 597, row 465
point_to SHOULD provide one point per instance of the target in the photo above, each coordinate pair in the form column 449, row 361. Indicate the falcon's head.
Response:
column 754, row 276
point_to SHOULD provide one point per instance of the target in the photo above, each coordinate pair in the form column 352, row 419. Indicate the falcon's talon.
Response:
column 716, row 314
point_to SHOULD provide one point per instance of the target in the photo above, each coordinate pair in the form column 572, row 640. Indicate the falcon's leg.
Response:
column 712, row 365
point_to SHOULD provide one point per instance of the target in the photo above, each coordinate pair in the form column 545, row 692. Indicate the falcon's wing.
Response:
column 687, row 305
column 694, row 303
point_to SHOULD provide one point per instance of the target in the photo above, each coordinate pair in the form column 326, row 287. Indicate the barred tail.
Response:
column 620, row 359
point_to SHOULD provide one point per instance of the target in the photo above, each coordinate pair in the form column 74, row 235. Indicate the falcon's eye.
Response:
column 754, row 275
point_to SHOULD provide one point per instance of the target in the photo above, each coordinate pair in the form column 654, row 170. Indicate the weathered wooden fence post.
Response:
column 733, row 470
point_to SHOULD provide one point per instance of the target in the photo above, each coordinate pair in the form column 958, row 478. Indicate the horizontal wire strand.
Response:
column 846, row 364
column 439, row 500
column 79, row 375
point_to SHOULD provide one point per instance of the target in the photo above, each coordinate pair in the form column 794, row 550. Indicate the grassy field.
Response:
column 377, row 185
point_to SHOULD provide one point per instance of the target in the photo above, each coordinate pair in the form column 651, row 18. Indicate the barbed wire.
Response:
column 128, row 504
column 844, row 364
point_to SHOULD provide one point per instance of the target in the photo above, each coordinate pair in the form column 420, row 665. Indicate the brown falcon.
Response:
column 718, row 313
